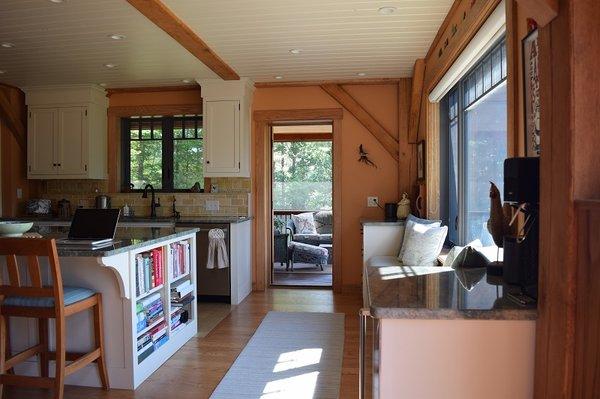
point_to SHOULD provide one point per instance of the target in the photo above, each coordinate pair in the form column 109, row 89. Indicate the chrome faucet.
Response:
column 153, row 203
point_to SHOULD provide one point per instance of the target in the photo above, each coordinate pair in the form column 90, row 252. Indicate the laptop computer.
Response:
column 92, row 227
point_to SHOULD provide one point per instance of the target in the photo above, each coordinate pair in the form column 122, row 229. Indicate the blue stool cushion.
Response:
column 71, row 296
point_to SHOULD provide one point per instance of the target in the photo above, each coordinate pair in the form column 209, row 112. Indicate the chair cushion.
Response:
column 71, row 296
column 305, row 253
column 313, row 239
column 324, row 222
column 305, row 223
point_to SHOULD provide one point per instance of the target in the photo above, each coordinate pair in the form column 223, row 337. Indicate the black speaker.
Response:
column 522, row 180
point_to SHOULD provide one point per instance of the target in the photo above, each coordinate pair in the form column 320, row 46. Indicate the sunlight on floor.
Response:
column 297, row 359
column 298, row 387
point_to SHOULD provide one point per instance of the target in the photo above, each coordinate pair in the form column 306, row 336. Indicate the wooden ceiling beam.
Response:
column 543, row 10
column 389, row 142
column 416, row 100
column 164, row 18
column 12, row 121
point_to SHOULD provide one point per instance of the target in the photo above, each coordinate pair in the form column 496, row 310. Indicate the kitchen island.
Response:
column 445, row 333
column 143, row 327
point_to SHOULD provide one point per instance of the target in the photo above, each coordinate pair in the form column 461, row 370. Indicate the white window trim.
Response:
column 492, row 29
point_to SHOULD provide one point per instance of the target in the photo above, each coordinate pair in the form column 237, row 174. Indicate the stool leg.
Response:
column 43, row 340
column 59, row 378
column 99, row 337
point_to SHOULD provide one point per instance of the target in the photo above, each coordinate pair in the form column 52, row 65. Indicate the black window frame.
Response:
column 463, row 102
column 168, row 146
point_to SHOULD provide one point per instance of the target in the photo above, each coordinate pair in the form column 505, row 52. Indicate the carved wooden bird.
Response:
column 364, row 157
column 500, row 216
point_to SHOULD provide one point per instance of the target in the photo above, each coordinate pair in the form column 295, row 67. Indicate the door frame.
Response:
column 263, row 237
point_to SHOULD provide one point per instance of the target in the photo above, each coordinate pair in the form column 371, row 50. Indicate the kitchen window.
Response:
column 164, row 151
column 474, row 146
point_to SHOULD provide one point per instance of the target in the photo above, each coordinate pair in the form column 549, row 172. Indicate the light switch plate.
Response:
column 372, row 202
column 19, row 193
column 212, row 205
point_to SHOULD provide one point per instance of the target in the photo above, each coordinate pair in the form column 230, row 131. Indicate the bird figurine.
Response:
column 500, row 217
column 364, row 157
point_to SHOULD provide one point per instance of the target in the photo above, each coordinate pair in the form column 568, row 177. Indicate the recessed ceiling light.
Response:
column 278, row 77
column 110, row 66
column 362, row 74
column 55, row 1
column 186, row 81
column 387, row 10
column 117, row 37
column 102, row 84
column 7, row 45
column 295, row 51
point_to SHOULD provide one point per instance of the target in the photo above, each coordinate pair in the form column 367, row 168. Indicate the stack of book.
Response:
column 152, row 340
column 149, row 270
column 179, row 253
column 148, row 311
column 182, row 293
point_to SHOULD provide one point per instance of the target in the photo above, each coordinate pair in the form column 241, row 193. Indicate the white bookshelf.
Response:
column 142, row 369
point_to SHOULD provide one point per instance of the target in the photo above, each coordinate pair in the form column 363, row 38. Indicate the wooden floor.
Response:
column 197, row 368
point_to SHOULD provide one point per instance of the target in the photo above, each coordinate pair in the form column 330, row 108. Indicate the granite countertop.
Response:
column 126, row 239
column 144, row 219
column 403, row 292
column 381, row 222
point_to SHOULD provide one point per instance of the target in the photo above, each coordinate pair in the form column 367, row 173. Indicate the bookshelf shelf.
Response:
column 152, row 291
column 176, row 279
column 150, row 327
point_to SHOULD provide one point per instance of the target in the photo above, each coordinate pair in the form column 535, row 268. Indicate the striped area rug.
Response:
column 292, row 355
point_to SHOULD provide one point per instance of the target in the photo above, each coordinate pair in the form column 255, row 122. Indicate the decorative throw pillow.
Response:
column 304, row 223
column 411, row 221
column 423, row 245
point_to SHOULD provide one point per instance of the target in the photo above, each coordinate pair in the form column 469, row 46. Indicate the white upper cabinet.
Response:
column 66, row 133
column 222, row 148
column 227, row 127
column 41, row 128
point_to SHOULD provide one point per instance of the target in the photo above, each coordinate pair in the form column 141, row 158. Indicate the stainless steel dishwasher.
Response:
column 214, row 285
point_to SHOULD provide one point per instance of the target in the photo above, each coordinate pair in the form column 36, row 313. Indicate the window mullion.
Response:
column 167, row 161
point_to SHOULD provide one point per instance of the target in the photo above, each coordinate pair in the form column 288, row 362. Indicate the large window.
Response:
column 165, row 151
column 474, row 138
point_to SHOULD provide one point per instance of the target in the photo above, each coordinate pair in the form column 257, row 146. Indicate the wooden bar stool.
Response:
column 45, row 302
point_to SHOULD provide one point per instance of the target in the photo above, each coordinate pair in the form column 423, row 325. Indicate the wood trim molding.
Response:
column 262, row 239
column 12, row 121
column 135, row 110
column 463, row 23
column 298, row 114
column 164, row 18
column 544, row 10
column 303, row 83
column 156, row 89
column 415, row 104
column 303, row 137
column 407, row 165
column 387, row 140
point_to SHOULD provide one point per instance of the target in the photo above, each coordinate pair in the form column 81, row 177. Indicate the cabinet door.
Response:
column 41, row 132
column 72, row 142
column 222, row 138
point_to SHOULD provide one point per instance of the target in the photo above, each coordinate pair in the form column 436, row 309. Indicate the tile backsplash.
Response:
column 232, row 195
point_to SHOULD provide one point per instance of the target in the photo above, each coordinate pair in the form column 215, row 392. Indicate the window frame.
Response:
column 168, row 148
column 461, row 108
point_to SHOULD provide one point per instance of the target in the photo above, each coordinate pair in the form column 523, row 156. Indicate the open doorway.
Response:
column 302, row 204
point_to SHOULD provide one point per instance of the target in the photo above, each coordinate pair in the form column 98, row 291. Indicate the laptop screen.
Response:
column 94, row 224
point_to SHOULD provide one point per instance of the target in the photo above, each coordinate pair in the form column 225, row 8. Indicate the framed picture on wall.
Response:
column 531, row 100
column 421, row 161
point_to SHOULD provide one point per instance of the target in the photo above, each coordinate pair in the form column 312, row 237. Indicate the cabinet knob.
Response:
column 207, row 161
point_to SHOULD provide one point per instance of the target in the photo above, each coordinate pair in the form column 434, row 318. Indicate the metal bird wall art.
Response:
column 364, row 157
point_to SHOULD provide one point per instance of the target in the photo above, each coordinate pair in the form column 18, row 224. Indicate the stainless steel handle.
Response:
column 362, row 316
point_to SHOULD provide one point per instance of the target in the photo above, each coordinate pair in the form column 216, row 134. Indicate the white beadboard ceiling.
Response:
column 68, row 43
